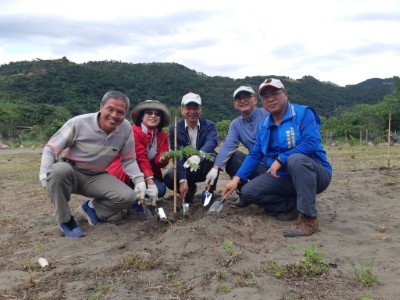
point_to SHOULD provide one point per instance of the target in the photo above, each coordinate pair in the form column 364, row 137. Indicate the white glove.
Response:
column 192, row 163
column 152, row 193
column 140, row 190
column 211, row 176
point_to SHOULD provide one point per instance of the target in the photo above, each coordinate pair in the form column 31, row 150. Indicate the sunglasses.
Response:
column 152, row 112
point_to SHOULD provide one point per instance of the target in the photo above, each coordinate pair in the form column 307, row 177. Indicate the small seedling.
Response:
column 39, row 248
column 241, row 282
column 293, row 248
column 95, row 296
column 131, row 260
column 222, row 275
column 232, row 257
column 179, row 286
column 228, row 245
column 188, row 151
column 365, row 276
column 101, row 289
column 274, row 268
column 140, row 263
column 178, row 283
column 314, row 261
column 222, row 288
column 312, row 264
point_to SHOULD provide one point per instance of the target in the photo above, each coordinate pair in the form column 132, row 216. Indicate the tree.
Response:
column 9, row 114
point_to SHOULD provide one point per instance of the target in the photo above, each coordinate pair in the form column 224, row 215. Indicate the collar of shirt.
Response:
column 95, row 121
column 186, row 124
column 251, row 117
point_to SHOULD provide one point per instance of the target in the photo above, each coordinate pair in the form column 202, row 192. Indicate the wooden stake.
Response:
column 175, row 163
column 389, row 142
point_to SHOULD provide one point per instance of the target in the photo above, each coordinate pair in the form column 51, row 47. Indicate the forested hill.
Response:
column 79, row 87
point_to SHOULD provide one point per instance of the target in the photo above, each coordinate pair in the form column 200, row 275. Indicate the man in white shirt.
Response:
column 201, row 134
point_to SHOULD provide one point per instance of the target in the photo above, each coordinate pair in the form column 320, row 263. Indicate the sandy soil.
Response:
column 204, row 255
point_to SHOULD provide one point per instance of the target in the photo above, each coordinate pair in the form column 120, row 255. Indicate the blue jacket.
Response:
column 298, row 132
column 207, row 140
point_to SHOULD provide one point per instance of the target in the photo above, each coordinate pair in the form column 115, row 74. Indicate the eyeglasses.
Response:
column 271, row 95
column 245, row 97
column 152, row 112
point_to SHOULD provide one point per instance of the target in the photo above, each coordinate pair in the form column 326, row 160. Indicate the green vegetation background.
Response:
column 43, row 94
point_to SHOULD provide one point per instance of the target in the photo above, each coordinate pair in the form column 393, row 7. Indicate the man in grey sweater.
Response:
column 90, row 142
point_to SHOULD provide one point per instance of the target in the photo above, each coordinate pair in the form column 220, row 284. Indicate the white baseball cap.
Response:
column 276, row 83
column 191, row 98
column 242, row 88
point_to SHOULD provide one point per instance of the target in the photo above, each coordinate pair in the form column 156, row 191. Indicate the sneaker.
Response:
column 72, row 229
column 239, row 203
column 290, row 215
column 136, row 208
column 304, row 226
column 89, row 213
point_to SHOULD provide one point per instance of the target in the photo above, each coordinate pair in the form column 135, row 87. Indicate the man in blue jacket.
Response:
column 201, row 134
column 242, row 130
column 289, row 139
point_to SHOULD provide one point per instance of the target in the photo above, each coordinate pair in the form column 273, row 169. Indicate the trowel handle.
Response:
column 141, row 200
column 224, row 198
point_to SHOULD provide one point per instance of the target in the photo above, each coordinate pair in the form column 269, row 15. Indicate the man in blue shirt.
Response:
column 242, row 130
column 290, row 142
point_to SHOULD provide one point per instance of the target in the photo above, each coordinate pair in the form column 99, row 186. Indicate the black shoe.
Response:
column 239, row 203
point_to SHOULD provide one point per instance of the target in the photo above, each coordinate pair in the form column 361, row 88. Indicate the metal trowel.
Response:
column 161, row 213
column 206, row 196
column 218, row 205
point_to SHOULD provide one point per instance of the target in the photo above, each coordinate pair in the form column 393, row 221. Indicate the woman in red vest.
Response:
column 149, row 118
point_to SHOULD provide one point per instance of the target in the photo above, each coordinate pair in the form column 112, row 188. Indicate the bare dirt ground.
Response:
column 205, row 255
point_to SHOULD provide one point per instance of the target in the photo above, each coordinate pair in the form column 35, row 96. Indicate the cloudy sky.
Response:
column 342, row 41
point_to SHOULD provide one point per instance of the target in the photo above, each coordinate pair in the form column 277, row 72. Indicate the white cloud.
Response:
column 341, row 41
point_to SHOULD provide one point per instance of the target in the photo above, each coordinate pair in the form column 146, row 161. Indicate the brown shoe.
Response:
column 290, row 215
column 304, row 226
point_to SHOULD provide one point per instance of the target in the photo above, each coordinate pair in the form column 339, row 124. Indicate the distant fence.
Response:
column 366, row 137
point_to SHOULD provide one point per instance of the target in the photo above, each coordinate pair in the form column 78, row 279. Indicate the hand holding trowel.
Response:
column 231, row 186
column 146, row 210
column 152, row 193
column 211, row 177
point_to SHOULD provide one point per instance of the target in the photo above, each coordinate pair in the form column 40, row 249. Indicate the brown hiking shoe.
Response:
column 304, row 226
